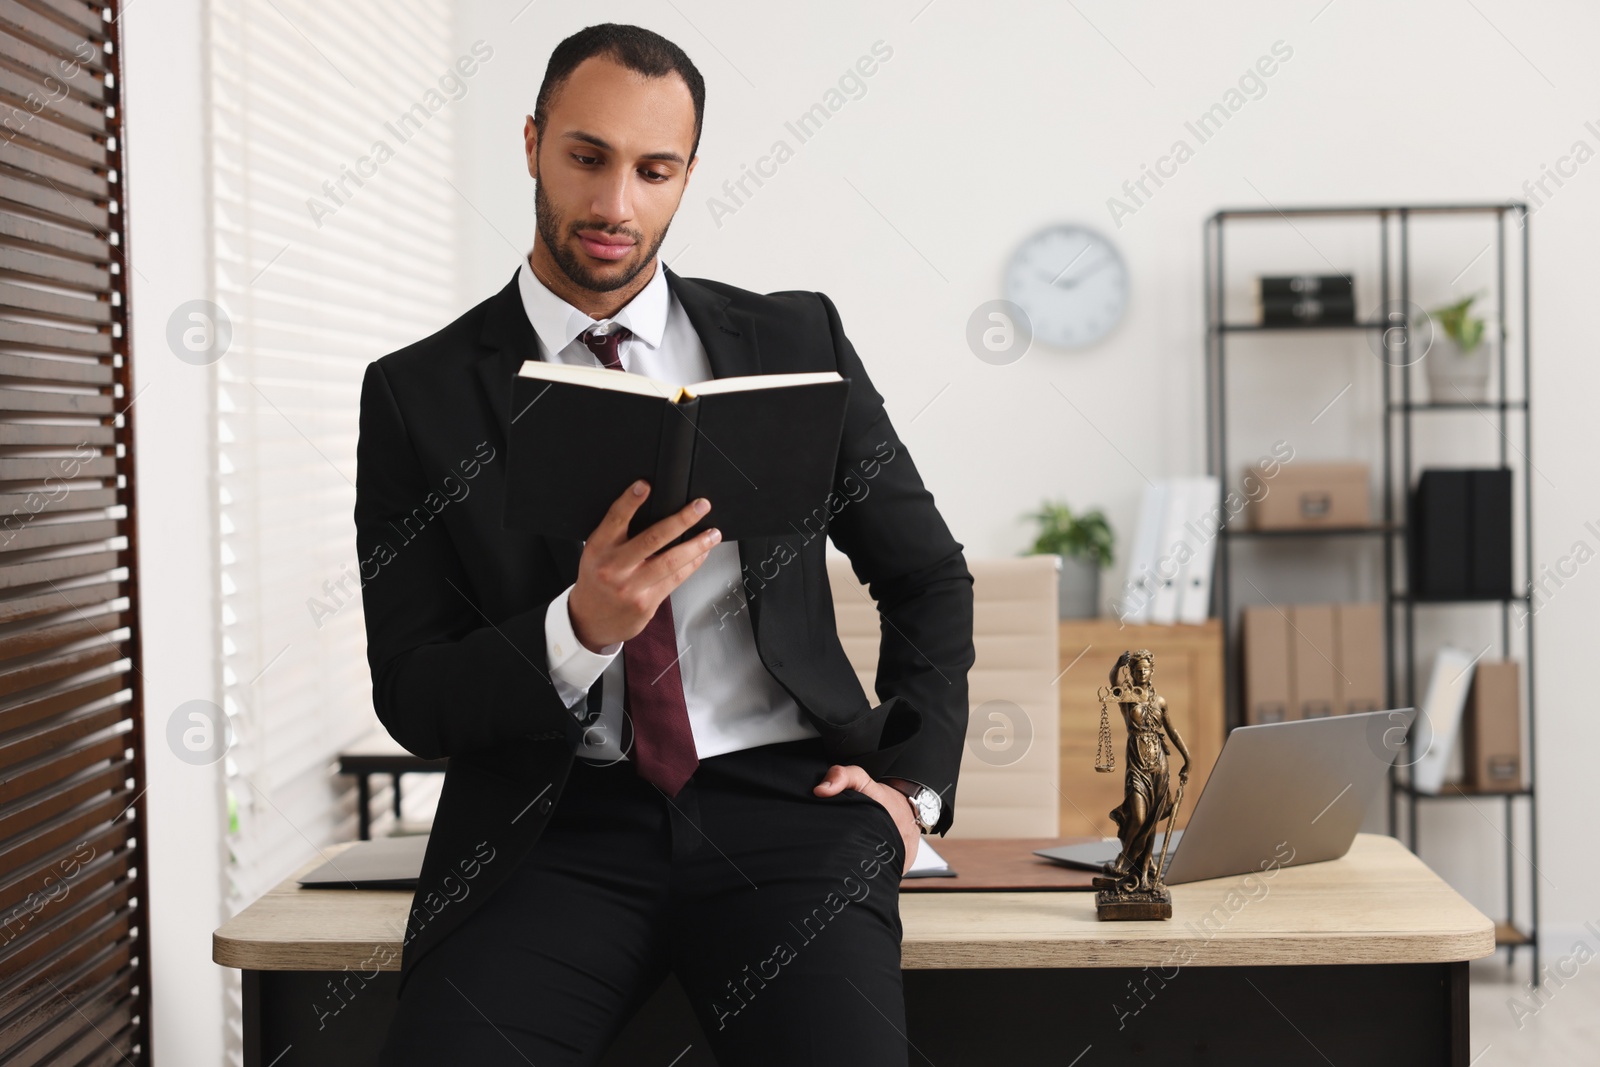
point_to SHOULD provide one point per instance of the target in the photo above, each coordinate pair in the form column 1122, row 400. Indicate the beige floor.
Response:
column 1565, row 1028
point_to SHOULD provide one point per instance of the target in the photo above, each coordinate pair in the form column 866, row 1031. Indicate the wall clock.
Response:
column 1071, row 281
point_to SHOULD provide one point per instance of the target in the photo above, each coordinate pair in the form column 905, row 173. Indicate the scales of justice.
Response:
column 1133, row 885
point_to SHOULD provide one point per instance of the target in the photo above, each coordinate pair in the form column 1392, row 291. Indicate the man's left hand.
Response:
column 898, row 805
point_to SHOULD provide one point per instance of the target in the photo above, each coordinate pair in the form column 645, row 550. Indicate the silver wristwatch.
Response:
column 925, row 803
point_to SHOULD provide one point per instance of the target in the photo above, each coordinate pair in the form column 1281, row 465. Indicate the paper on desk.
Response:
column 926, row 862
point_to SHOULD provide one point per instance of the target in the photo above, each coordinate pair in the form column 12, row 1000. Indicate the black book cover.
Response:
column 1490, row 515
column 763, row 452
column 1306, row 310
column 1295, row 286
column 1439, row 536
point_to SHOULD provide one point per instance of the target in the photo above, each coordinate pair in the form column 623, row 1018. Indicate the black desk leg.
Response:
column 364, row 806
column 1459, row 1012
column 397, row 815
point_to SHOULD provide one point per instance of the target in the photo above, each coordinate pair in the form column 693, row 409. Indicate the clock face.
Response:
column 1072, row 282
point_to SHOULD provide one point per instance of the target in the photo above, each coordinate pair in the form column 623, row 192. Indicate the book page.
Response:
column 602, row 378
column 745, row 382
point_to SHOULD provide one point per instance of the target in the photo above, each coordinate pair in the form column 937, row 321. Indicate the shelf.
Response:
column 1397, row 417
column 1314, row 531
column 1455, row 790
column 1373, row 209
column 1461, row 405
column 1256, row 327
column 1401, row 598
column 1510, row 934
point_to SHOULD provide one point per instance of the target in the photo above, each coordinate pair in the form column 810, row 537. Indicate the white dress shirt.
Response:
column 734, row 702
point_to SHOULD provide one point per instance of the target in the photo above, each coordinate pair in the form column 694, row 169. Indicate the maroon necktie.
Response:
column 663, row 744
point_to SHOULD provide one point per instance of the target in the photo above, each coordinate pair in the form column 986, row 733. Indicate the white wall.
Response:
column 988, row 121
column 173, row 417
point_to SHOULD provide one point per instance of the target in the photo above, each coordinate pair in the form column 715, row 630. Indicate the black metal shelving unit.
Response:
column 1399, row 413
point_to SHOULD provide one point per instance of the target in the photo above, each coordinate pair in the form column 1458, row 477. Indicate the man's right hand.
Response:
column 622, row 580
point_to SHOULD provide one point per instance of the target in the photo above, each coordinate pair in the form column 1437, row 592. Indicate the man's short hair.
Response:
column 633, row 47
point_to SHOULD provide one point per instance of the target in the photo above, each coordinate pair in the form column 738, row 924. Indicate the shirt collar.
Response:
column 557, row 322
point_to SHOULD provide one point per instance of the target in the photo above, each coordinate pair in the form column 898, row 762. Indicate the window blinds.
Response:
column 74, row 975
column 333, row 220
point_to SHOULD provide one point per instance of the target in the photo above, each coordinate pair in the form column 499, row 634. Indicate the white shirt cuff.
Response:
column 573, row 668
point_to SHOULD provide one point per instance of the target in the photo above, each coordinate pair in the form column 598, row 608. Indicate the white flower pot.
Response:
column 1454, row 378
column 1079, row 590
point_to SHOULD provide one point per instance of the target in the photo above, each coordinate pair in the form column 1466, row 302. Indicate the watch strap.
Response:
column 918, row 793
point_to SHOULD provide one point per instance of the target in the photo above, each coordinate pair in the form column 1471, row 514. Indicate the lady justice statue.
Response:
column 1132, row 886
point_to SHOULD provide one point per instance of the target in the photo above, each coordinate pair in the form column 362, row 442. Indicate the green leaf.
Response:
column 1459, row 324
column 1087, row 536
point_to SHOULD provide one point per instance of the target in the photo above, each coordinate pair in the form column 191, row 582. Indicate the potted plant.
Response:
column 1458, row 361
column 1084, row 544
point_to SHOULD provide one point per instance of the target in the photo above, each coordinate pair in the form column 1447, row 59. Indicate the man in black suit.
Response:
column 660, row 760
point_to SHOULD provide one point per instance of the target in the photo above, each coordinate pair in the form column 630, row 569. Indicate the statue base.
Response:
column 1112, row 904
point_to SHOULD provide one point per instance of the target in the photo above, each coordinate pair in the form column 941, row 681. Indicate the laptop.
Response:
column 1282, row 794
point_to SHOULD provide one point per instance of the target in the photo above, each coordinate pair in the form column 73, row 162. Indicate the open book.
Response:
column 761, row 448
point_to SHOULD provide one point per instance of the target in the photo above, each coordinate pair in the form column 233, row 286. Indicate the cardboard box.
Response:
column 1265, row 644
column 1358, row 638
column 1313, row 670
column 1302, row 496
column 1492, row 730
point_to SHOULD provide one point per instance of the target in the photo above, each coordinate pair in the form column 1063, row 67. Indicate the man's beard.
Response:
column 550, row 233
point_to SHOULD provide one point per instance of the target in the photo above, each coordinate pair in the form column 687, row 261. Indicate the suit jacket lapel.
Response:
column 508, row 338
column 728, row 335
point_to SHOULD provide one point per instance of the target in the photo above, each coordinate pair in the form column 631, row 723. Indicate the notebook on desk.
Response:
column 927, row 863
column 386, row 863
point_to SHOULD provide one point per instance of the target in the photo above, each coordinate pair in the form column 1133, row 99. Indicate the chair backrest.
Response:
column 1011, row 764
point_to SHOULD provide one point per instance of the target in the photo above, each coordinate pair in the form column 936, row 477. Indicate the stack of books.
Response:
column 1307, row 299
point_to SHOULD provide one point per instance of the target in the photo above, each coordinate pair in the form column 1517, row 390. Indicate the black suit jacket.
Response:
column 455, row 603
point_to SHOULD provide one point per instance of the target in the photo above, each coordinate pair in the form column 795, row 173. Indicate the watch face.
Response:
column 1072, row 283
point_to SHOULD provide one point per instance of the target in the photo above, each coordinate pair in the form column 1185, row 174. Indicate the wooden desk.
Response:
column 1359, row 960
